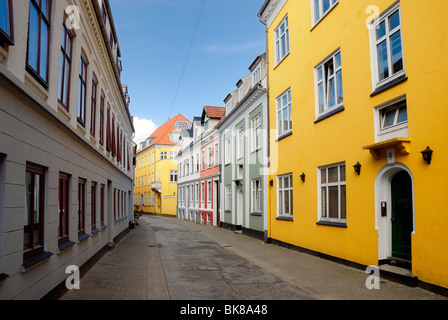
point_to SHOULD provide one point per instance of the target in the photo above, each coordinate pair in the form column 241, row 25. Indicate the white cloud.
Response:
column 143, row 129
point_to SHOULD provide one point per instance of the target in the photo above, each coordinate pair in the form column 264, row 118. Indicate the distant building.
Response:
column 244, row 154
column 199, row 169
column 156, row 168
column 66, row 177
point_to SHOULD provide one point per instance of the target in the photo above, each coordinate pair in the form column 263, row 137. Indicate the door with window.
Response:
column 402, row 215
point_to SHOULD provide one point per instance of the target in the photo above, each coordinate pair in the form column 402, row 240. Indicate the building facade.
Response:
column 66, row 178
column 244, row 154
column 156, row 168
column 189, row 172
column 356, row 106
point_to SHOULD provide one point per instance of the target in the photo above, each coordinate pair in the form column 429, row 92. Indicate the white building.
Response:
column 66, row 173
column 189, row 173
column 244, row 154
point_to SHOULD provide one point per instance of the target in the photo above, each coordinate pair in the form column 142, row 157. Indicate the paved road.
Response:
column 169, row 259
column 197, row 268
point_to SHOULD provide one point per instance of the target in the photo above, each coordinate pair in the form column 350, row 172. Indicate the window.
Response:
column 6, row 22
column 255, row 141
column 228, row 150
column 163, row 155
column 321, row 8
column 93, row 205
column 210, row 155
column 81, row 206
column 256, row 195
column 209, row 194
column 216, row 162
column 281, row 36
column 329, row 84
column 173, row 155
column 173, row 176
column 284, row 113
column 333, row 193
column 82, row 91
column 33, row 240
column 228, row 198
column 64, row 207
column 196, row 198
column 387, row 47
column 102, row 190
column 393, row 116
column 203, row 159
column 202, row 194
column 197, row 163
column 93, row 107
column 240, row 144
column 285, row 196
column 256, row 76
column 39, row 40
column 65, row 67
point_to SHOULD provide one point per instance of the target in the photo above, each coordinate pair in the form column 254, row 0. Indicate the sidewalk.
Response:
column 133, row 271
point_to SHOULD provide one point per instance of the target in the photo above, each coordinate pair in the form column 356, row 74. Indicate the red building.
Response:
column 210, row 168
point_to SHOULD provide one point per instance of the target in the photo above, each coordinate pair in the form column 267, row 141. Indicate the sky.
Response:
column 181, row 55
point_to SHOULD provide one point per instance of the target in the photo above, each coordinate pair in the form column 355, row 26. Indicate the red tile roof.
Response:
column 162, row 134
column 215, row 112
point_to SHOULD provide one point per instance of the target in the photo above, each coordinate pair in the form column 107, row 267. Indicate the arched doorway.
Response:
column 395, row 222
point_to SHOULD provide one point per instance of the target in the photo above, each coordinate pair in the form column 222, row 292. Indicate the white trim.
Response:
column 383, row 194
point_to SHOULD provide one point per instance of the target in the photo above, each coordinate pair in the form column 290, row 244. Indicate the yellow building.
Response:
column 155, row 189
column 359, row 85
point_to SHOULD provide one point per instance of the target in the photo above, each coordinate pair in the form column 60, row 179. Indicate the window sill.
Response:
column 256, row 214
column 95, row 231
column 35, row 260
column 330, row 113
column 283, row 59
column 389, row 85
column 332, row 224
column 285, row 218
column 65, row 245
column 83, row 236
column 283, row 136
column 3, row 276
column 228, row 211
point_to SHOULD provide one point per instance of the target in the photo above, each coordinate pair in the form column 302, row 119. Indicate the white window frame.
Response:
column 210, row 157
column 256, row 76
column 281, row 190
column 317, row 9
column 209, row 194
column 324, row 197
column 202, row 194
column 228, row 198
column 279, row 36
column 173, row 176
column 203, row 160
column 256, row 125
column 228, row 150
column 240, row 144
column 216, row 162
column 322, row 83
column 163, row 155
column 281, row 107
column 256, row 195
column 398, row 129
column 374, row 42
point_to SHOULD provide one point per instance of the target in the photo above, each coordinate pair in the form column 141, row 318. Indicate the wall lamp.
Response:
column 427, row 155
column 302, row 177
column 357, row 168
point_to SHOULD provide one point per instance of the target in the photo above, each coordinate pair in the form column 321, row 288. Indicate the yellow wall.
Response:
column 166, row 203
column 342, row 137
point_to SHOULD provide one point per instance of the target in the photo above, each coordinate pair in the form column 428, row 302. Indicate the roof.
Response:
column 214, row 112
column 162, row 134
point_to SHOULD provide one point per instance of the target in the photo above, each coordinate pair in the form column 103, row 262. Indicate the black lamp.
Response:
column 357, row 168
column 427, row 155
column 302, row 177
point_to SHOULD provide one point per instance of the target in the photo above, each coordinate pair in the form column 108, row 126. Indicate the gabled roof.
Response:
column 162, row 134
column 213, row 112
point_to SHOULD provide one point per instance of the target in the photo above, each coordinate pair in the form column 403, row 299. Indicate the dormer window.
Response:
column 207, row 124
column 256, row 75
